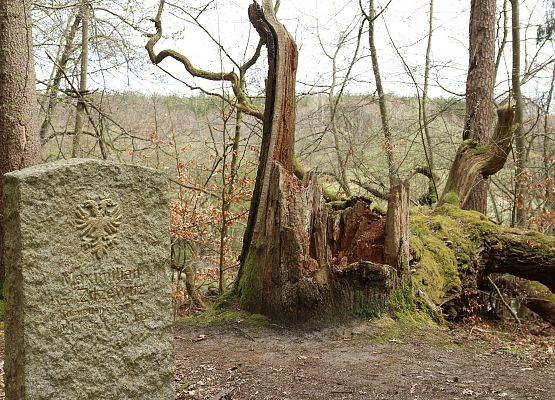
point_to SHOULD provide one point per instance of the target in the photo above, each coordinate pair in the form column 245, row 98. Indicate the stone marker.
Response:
column 88, row 303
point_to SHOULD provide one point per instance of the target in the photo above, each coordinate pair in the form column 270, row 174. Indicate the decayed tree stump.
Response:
column 301, row 258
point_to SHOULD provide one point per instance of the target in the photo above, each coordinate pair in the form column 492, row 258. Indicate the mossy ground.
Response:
column 223, row 317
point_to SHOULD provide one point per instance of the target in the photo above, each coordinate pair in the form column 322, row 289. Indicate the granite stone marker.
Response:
column 88, row 304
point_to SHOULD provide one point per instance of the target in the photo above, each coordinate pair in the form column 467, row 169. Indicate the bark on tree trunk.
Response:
column 396, row 248
column 474, row 162
column 19, row 139
column 479, row 89
column 520, row 254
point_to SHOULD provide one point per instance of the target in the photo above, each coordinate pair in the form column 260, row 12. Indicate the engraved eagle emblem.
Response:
column 98, row 222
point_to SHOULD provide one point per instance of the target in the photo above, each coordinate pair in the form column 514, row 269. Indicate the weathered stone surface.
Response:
column 87, row 286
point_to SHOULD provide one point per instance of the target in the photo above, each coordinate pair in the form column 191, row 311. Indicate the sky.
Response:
column 307, row 20
column 316, row 26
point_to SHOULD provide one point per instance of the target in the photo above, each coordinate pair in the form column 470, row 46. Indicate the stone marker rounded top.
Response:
column 40, row 169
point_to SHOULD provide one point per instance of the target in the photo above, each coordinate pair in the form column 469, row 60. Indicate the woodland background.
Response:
column 101, row 97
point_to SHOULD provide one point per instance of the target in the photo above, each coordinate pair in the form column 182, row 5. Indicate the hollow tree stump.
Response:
column 302, row 259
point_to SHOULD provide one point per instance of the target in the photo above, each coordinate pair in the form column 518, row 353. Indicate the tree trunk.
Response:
column 396, row 249
column 479, row 89
column 522, row 254
column 428, row 147
column 381, row 95
column 60, row 65
column 454, row 252
column 19, row 139
column 548, row 155
column 301, row 258
column 474, row 162
column 80, row 112
column 519, row 214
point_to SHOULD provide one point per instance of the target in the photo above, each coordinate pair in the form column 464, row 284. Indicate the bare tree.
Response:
column 59, row 68
column 428, row 147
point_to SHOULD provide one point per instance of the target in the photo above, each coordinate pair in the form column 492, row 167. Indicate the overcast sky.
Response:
column 404, row 24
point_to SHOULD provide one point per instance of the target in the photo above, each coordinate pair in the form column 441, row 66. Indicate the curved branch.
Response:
column 156, row 58
column 473, row 161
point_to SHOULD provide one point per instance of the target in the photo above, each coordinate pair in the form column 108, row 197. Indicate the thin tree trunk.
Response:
column 519, row 213
column 59, row 68
column 80, row 112
column 341, row 164
column 381, row 96
column 479, row 89
column 19, row 138
column 429, row 150
column 396, row 248
column 503, row 42
column 547, row 156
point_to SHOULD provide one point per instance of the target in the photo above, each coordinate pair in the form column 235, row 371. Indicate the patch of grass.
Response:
column 184, row 385
column 386, row 329
column 220, row 317
column 514, row 351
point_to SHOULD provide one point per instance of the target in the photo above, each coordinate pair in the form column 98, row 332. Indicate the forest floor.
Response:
column 365, row 360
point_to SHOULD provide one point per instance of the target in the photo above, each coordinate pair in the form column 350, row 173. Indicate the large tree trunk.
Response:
column 19, row 139
column 301, row 258
column 479, row 89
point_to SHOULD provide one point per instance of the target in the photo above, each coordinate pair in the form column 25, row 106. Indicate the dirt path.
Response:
column 357, row 363
column 361, row 361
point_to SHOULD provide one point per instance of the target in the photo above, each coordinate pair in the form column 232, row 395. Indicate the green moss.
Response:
column 215, row 317
column 226, row 299
column 378, row 209
column 247, row 281
column 452, row 198
column 437, row 269
column 2, row 310
column 479, row 150
column 336, row 204
column 446, row 243
column 408, row 310
column 367, row 308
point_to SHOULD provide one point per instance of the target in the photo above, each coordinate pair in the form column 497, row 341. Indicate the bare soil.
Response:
column 378, row 360
column 363, row 361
